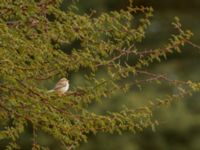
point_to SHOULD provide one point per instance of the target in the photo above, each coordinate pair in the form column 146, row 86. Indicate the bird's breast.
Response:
column 64, row 89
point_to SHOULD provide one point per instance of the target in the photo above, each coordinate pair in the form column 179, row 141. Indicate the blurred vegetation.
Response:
column 179, row 123
column 180, row 128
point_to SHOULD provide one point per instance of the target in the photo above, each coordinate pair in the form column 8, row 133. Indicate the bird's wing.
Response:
column 59, row 85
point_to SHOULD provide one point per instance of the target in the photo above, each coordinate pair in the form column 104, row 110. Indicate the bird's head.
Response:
column 64, row 80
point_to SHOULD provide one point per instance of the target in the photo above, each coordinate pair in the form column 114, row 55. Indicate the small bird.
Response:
column 61, row 87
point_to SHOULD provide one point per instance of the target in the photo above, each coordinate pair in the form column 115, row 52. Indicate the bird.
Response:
column 61, row 87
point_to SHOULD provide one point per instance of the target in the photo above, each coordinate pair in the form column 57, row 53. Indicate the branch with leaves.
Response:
column 32, row 35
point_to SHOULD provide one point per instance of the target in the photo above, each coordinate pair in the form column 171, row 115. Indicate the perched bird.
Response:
column 61, row 87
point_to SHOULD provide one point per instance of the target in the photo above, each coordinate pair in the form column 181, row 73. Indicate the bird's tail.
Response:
column 50, row 91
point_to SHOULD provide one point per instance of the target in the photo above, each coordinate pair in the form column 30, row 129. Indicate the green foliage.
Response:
column 32, row 35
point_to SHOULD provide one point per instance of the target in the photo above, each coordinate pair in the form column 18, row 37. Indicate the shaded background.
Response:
column 179, row 124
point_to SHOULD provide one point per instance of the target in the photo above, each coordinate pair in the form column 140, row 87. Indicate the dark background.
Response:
column 180, row 123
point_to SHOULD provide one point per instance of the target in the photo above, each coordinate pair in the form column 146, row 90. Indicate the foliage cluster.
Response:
column 32, row 35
